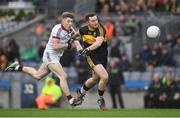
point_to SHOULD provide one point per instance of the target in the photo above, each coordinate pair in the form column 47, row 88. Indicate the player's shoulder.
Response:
column 83, row 28
column 101, row 26
column 57, row 27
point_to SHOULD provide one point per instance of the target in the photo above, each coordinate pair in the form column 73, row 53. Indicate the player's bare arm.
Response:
column 95, row 45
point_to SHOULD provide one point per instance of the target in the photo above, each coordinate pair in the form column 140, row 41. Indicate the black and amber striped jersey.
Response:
column 89, row 37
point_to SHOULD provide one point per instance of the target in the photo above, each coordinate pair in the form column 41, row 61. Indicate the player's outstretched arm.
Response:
column 95, row 45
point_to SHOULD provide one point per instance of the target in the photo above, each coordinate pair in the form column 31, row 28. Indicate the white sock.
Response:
column 71, row 100
column 83, row 91
column 17, row 67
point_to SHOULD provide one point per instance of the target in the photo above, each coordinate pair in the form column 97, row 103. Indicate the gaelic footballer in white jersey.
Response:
column 59, row 40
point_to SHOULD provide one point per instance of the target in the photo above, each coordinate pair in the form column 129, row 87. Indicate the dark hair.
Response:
column 89, row 15
column 67, row 15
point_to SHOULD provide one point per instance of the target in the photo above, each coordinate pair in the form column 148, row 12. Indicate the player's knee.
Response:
column 105, row 77
column 95, row 80
column 37, row 76
column 64, row 76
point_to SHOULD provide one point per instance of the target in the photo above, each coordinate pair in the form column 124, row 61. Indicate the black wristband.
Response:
column 69, row 45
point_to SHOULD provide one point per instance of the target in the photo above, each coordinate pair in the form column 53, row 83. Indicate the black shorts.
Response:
column 93, row 60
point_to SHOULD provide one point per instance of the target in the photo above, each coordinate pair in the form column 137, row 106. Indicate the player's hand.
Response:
column 69, row 44
column 85, row 51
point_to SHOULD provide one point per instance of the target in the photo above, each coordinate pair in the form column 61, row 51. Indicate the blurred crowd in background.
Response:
column 163, row 92
column 136, row 6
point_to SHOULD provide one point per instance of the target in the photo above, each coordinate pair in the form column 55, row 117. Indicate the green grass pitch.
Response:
column 136, row 113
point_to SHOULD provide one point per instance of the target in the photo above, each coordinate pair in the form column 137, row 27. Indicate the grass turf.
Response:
column 90, row 113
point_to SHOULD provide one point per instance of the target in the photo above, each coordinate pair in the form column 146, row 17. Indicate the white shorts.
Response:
column 50, row 58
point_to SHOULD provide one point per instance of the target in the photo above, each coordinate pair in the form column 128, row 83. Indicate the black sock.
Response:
column 69, row 97
column 20, row 68
column 101, row 93
column 85, row 88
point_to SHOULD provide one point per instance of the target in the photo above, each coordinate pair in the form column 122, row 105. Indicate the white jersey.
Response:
column 63, row 35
